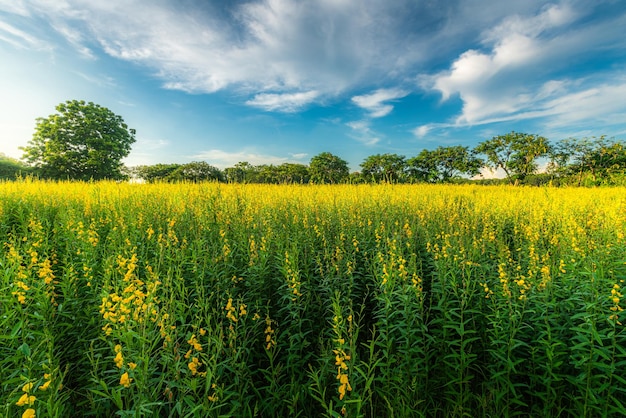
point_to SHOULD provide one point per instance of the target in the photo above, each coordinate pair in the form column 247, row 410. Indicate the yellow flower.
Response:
column 29, row 413
column 25, row 399
column 119, row 360
column 125, row 380
column 45, row 385
column 193, row 366
column 132, row 366
column 27, row 387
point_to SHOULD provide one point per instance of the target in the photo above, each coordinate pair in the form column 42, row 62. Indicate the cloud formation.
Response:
column 506, row 79
column 286, row 102
column 362, row 132
column 504, row 61
column 375, row 104
column 264, row 46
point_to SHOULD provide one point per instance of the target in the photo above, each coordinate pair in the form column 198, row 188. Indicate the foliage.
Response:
column 209, row 300
column 281, row 174
column 599, row 157
column 195, row 172
column 515, row 153
column 242, row 172
column 155, row 173
column 443, row 164
column 83, row 141
column 388, row 168
column 589, row 162
column 328, row 168
column 11, row 168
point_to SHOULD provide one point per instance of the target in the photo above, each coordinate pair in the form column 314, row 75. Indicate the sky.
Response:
column 275, row 81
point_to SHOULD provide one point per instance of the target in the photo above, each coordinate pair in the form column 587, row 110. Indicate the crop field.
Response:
column 209, row 300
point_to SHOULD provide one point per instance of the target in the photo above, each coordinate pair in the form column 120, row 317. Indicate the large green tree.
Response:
column 443, row 164
column 328, row 168
column 82, row 141
column 384, row 167
column 515, row 153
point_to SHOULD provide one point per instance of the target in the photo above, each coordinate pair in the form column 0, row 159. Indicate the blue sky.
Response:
column 273, row 81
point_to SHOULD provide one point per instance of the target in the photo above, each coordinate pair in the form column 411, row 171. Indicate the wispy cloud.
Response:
column 21, row 39
column 375, row 103
column 362, row 132
column 263, row 46
column 223, row 159
column 285, row 102
column 506, row 81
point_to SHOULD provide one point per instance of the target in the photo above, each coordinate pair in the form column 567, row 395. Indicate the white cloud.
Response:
column 299, row 156
column 375, row 104
column 422, row 131
column 363, row 133
column 223, row 159
column 507, row 80
column 262, row 46
column 286, row 102
column 19, row 38
column 16, row 7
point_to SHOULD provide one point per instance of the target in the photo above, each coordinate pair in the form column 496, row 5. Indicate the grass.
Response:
column 203, row 300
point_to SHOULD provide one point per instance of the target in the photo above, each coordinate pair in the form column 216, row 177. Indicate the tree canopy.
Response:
column 384, row 167
column 328, row 168
column 83, row 141
column 444, row 164
column 515, row 153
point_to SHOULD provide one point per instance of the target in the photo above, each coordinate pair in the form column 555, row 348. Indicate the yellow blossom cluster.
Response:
column 270, row 341
column 137, row 301
column 293, row 278
column 231, row 311
column 193, row 354
column 341, row 359
column 125, row 379
column 27, row 399
column 616, row 296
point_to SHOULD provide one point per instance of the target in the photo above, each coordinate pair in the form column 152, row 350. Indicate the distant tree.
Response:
column 384, row 167
column 515, row 153
column 157, row 172
column 284, row 173
column 444, row 164
column 293, row 173
column 597, row 156
column 242, row 172
column 328, row 168
column 356, row 177
column 11, row 168
column 196, row 171
column 610, row 159
column 82, row 141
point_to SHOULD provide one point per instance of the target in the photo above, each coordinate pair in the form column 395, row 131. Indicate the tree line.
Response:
column 85, row 141
column 517, row 155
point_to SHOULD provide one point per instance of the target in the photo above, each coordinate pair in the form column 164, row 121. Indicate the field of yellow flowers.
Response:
column 207, row 300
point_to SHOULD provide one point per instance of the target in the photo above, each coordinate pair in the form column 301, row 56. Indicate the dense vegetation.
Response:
column 85, row 141
column 587, row 161
column 347, row 300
